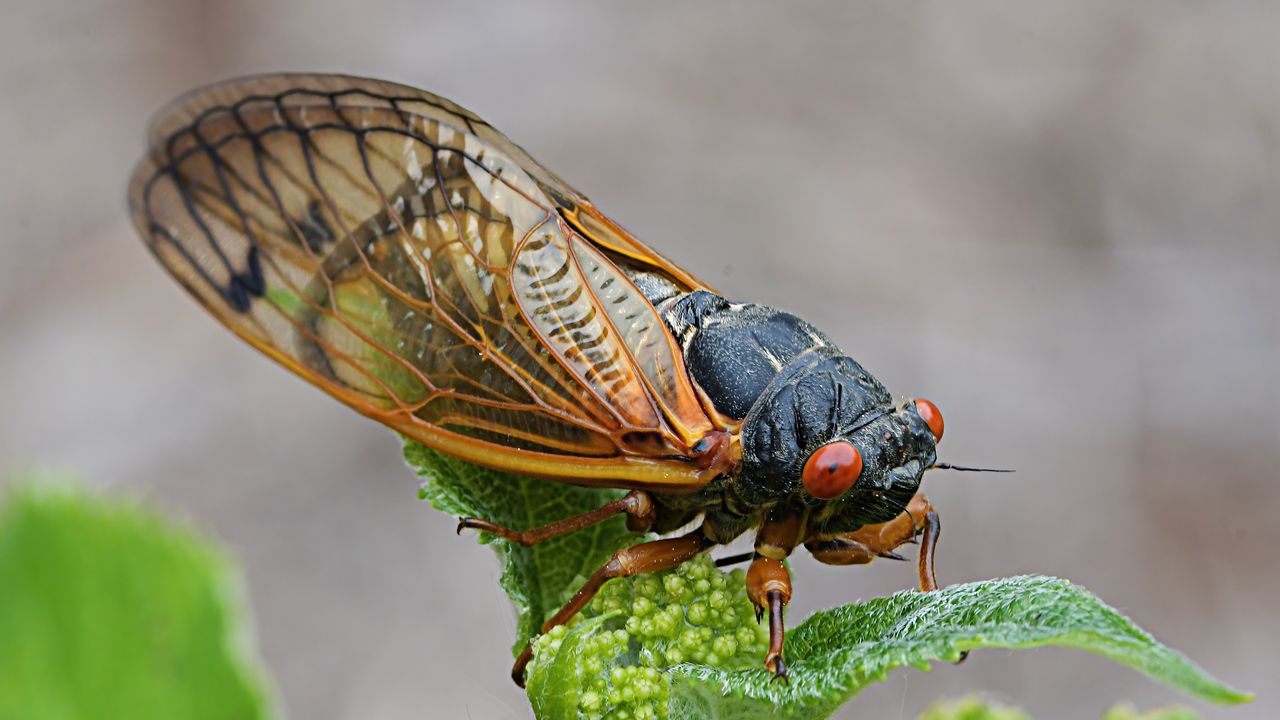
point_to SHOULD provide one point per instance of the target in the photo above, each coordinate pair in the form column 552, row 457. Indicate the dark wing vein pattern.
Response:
column 397, row 251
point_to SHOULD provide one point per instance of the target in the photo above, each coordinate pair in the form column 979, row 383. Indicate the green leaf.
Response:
column 971, row 708
column 538, row 579
column 831, row 656
column 1128, row 712
column 555, row 690
column 107, row 610
column 836, row 653
column 976, row 708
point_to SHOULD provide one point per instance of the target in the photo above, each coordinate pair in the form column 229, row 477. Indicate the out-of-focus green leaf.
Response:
column 976, row 708
column 1128, row 712
column 971, row 708
column 109, row 611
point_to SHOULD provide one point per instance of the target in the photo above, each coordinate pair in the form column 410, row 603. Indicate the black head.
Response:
column 827, row 435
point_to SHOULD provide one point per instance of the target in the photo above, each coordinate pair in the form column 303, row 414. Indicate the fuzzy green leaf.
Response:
column 537, row 579
column 837, row 652
column 831, row 656
column 107, row 610
column 555, row 689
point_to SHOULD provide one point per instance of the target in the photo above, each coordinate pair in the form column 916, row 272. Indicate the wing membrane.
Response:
column 400, row 253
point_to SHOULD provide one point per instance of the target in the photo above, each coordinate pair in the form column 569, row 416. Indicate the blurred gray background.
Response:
column 1063, row 220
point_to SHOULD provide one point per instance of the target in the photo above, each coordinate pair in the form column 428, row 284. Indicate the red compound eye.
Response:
column 831, row 470
column 931, row 416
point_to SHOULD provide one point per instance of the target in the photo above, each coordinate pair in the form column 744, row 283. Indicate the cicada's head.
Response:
column 826, row 435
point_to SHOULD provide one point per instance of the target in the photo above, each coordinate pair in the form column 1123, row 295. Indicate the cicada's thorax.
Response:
column 793, row 391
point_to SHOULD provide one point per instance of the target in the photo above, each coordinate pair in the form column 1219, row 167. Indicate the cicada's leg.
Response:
column 735, row 559
column 769, row 588
column 866, row 544
column 930, row 530
column 642, row 558
column 769, row 583
column 928, row 544
column 635, row 504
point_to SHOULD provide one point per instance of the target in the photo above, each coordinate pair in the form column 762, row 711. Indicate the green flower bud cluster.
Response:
column 694, row 613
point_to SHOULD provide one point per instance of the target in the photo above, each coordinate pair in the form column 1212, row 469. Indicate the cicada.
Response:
column 399, row 253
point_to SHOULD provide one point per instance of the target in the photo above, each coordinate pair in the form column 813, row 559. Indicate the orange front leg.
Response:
column 643, row 558
column 769, row 587
column 867, row 543
column 769, row 583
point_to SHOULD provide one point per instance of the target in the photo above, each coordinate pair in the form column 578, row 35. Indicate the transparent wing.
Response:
column 401, row 254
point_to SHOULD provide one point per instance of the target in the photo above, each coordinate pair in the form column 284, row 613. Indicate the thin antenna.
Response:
column 949, row 466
